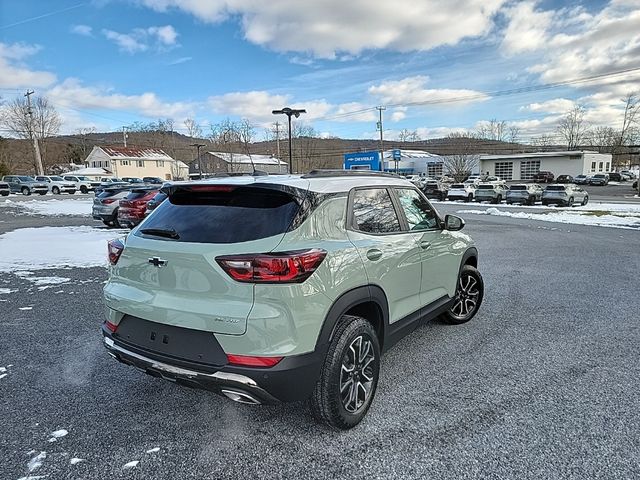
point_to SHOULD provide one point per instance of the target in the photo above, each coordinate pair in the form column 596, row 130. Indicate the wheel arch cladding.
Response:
column 470, row 257
column 368, row 302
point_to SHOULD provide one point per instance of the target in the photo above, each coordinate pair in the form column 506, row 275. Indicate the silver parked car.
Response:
column 462, row 191
column 528, row 193
column 106, row 203
column 565, row 195
column 5, row 190
column 57, row 184
column 490, row 192
column 82, row 183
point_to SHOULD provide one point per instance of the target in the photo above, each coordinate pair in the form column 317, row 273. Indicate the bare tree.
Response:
column 573, row 128
column 83, row 133
column 493, row 130
column 44, row 121
column 193, row 129
column 406, row 135
column 305, row 148
column 542, row 142
column 513, row 134
column 460, row 165
column 603, row 139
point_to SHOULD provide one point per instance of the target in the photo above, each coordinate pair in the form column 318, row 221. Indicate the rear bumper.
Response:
column 292, row 379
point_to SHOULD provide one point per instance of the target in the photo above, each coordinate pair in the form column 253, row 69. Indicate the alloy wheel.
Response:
column 357, row 374
column 467, row 295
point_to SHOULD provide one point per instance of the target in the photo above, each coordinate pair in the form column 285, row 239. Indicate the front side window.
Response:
column 373, row 211
column 419, row 214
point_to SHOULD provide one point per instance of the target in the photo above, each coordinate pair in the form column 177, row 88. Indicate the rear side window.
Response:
column 556, row 188
column 225, row 215
column 518, row 187
column 136, row 194
column 373, row 211
column 486, row 187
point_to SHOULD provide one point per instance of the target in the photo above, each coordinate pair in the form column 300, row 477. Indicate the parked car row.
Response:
column 525, row 193
column 126, row 206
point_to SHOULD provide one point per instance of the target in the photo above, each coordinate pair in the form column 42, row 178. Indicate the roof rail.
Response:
column 320, row 173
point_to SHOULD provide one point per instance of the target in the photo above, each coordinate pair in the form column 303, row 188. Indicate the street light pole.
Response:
column 289, row 112
column 198, row 145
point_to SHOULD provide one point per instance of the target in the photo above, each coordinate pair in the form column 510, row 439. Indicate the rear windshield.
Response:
column 518, row 187
column 457, row 185
column 599, row 176
column 109, row 193
column 486, row 187
column 556, row 188
column 136, row 194
column 241, row 214
column 26, row 179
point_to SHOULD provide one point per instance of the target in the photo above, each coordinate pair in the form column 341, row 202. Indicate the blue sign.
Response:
column 362, row 161
column 397, row 154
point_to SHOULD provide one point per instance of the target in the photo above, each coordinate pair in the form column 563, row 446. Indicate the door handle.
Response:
column 374, row 254
column 424, row 244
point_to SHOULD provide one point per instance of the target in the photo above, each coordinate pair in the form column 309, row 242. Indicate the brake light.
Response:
column 115, row 248
column 211, row 188
column 110, row 326
column 107, row 201
column 248, row 361
column 282, row 267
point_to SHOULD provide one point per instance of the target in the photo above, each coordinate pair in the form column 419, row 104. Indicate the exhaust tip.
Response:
column 240, row 397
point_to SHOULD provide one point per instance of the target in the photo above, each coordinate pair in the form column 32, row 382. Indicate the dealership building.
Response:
column 523, row 166
column 405, row 162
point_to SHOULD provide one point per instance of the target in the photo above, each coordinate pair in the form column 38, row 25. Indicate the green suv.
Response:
column 286, row 287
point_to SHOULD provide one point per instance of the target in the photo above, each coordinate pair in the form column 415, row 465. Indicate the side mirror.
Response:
column 453, row 223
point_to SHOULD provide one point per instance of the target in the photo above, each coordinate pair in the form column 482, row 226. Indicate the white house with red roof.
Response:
column 137, row 162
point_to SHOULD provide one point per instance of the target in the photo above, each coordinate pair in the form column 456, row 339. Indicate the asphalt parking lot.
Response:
column 543, row 383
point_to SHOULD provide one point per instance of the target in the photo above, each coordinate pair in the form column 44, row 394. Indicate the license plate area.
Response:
column 168, row 340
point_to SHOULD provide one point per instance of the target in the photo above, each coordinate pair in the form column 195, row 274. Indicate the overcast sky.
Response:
column 438, row 65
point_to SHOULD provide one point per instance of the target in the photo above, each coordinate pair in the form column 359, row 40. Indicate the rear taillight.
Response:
column 282, row 267
column 115, row 248
column 110, row 326
column 107, row 201
column 248, row 361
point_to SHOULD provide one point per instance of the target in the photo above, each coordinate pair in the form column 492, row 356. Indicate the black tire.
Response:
column 84, row 189
column 115, row 221
column 469, row 198
column 532, row 201
column 585, row 200
column 42, row 193
column 55, row 190
column 108, row 223
column 570, row 202
column 456, row 314
column 26, row 191
column 498, row 199
column 327, row 403
column 71, row 192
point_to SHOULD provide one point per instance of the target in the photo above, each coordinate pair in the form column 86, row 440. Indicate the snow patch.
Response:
column 55, row 208
column 54, row 247
column 76, row 460
column 58, row 434
column 153, row 450
column 132, row 464
column 36, row 462
column 25, row 308
column 3, row 375
column 596, row 218
column 6, row 291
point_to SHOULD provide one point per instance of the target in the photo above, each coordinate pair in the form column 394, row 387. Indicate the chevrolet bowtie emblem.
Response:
column 158, row 262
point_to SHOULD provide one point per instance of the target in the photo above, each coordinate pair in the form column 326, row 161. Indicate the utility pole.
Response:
column 289, row 112
column 198, row 145
column 34, row 137
column 379, row 127
column 124, row 136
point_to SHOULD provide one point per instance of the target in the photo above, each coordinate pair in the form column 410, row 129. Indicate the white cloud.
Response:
column 257, row 106
column 556, row 105
column 330, row 27
column 398, row 114
column 412, row 90
column 142, row 39
column 527, row 28
column 14, row 74
column 73, row 94
column 84, row 30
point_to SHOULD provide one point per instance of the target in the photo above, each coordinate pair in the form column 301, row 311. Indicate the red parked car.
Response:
column 132, row 208
column 543, row 177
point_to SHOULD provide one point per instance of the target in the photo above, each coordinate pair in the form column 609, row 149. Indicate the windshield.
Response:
column 486, row 187
column 26, row 179
column 518, row 187
column 57, row 179
column 457, row 185
column 84, row 179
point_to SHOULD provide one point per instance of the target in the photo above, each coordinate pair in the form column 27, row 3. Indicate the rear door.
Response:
column 173, row 278
column 439, row 262
column 391, row 254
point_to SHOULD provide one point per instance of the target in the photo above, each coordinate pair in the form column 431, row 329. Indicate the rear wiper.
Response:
column 161, row 232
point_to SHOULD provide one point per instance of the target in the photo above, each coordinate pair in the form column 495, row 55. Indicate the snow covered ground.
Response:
column 68, row 206
column 618, row 216
column 54, row 247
